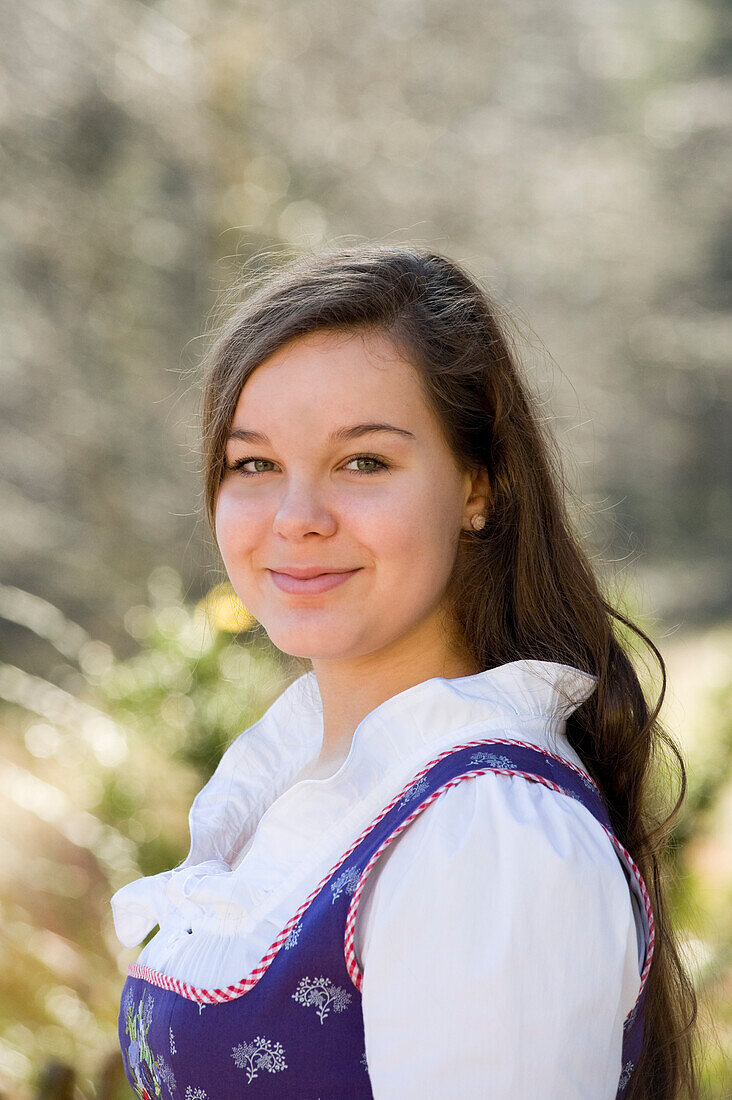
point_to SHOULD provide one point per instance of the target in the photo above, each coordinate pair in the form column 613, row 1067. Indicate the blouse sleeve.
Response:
column 500, row 950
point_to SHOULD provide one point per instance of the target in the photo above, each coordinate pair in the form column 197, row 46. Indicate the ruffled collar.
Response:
column 250, row 793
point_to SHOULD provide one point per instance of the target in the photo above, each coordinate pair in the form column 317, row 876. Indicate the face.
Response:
column 316, row 491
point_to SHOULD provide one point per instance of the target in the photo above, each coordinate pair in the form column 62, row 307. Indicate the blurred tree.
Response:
column 574, row 157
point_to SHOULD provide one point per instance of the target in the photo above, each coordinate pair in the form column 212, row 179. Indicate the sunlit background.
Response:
column 572, row 155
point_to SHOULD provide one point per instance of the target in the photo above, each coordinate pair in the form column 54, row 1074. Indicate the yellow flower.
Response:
column 223, row 610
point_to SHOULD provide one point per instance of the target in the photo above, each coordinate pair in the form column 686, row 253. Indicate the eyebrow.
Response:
column 340, row 435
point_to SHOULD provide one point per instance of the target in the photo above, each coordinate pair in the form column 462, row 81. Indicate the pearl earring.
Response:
column 477, row 522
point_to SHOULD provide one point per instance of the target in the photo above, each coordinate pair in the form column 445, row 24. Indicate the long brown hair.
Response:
column 522, row 587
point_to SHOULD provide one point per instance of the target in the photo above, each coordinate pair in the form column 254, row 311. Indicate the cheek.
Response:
column 412, row 535
column 236, row 524
column 385, row 523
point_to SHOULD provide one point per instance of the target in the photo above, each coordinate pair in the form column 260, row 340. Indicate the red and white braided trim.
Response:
column 354, row 970
column 238, row 989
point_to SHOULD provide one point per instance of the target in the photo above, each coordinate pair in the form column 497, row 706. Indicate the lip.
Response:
column 321, row 583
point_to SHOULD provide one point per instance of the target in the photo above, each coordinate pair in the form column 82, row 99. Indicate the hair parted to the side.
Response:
column 522, row 587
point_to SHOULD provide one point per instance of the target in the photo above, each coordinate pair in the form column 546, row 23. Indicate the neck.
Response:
column 351, row 688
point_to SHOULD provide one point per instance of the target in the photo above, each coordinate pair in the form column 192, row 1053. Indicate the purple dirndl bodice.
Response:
column 293, row 1028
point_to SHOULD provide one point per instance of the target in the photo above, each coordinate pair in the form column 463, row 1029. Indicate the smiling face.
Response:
column 388, row 505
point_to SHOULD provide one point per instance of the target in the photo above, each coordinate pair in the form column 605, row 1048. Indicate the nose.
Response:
column 300, row 511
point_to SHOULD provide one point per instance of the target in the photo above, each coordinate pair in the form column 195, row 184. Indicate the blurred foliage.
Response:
column 99, row 771
column 101, row 766
column 698, row 863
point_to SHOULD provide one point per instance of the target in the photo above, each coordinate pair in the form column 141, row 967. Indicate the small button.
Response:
column 173, row 939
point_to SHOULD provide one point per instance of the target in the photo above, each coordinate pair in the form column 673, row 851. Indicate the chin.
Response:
column 326, row 642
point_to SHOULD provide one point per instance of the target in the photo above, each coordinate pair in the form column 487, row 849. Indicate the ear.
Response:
column 478, row 495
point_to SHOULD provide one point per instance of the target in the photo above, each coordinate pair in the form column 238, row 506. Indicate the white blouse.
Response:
column 500, row 945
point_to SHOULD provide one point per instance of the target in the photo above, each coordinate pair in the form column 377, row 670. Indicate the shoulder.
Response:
column 497, row 815
column 497, row 941
column 494, row 845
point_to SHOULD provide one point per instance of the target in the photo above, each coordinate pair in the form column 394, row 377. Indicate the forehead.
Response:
column 331, row 374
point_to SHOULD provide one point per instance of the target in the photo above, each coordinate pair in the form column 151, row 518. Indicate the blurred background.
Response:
column 571, row 155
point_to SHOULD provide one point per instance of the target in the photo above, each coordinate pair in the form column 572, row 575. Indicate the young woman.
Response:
column 430, row 869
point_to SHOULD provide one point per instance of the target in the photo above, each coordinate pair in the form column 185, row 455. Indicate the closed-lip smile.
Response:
column 312, row 580
column 307, row 572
